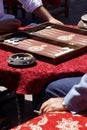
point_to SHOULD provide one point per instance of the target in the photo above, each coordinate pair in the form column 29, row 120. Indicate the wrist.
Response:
column 64, row 105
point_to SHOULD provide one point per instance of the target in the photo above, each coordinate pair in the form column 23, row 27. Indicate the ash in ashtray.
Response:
column 22, row 58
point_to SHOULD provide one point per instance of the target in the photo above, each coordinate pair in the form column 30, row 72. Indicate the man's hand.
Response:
column 55, row 21
column 52, row 104
column 10, row 25
column 45, row 15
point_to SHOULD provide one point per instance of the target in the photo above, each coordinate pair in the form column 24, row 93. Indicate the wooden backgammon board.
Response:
column 52, row 42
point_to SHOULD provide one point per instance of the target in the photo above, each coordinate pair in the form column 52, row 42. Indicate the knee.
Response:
column 55, row 86
column 50, row 86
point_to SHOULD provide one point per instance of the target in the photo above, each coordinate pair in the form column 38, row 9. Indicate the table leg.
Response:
column 36, row 101
column 20, row 107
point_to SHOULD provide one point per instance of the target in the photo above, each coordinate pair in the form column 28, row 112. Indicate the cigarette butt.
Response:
column 38, row 112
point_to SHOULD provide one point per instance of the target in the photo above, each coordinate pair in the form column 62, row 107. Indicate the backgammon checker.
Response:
column 49, row 42
column 21, row 60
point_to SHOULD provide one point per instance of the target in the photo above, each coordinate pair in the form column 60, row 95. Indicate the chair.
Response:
column 12, row 7
column 7, row 96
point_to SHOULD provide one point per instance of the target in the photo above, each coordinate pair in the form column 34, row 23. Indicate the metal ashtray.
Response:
column 21, row 60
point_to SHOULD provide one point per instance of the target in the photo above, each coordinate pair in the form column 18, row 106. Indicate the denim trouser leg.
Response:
column 60, row 88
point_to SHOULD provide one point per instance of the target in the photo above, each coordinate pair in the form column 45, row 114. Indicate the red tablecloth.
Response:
column 31, row 80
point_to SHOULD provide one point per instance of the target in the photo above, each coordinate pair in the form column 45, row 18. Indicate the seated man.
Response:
column 9, row 24
column 65, row 94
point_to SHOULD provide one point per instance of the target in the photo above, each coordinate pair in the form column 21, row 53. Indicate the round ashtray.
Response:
column 84, row 18
column 21, row 60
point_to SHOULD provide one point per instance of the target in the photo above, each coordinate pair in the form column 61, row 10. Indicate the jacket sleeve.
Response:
column 76, row 99
column 30, row 5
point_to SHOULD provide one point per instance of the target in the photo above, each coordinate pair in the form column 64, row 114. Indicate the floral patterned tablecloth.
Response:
column 55, row 121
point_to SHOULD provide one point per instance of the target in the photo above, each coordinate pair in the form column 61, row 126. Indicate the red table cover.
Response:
column 31, row 80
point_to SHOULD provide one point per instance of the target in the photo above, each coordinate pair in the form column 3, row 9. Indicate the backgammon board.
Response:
column 48, row 41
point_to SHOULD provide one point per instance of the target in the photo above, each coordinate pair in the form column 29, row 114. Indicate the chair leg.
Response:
column 20, row 107
column 15, row 10
column 66, row 8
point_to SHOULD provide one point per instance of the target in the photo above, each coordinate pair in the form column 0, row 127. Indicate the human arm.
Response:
column 53, row 104
column 76, row 99
column 73, row 101
column 45, row 15
column 9, row 25
column 36, row 7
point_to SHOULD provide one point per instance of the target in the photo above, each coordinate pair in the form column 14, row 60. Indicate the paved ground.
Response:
column 77, row 9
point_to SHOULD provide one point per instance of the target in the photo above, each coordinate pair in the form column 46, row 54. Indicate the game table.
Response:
column 31, row 80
